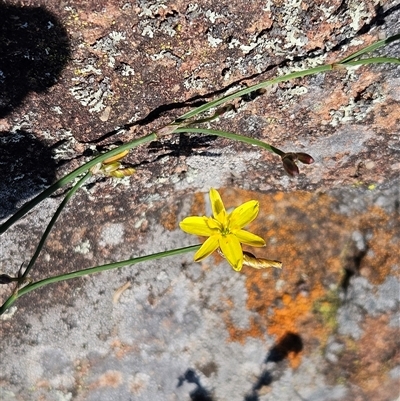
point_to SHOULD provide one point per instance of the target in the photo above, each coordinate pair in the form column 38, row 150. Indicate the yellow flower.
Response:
column 224, row 230
column 111, row 167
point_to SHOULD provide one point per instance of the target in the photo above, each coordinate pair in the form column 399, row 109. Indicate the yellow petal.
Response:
column 217, row 205
column 122, row 172
column 249, row 238
column 214, row 224
column 244, row 214
column 196, row 225
column 232, row 250
column 208, row 247
column 117, row 157
column 109, row 168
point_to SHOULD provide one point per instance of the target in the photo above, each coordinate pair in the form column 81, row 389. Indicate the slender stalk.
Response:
column 69, row 195
column 372, row 60
column 79, row 273
column 284, row 78
column 245, row 91
column 372, row 47
column 70, row 177
column 230, row 135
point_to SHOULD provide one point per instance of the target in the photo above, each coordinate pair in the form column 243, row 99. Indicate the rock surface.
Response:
column 77, row 77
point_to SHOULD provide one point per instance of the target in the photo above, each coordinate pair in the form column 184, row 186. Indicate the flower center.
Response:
column 225, row 231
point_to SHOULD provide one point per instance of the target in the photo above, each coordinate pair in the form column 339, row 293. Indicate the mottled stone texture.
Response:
column 79, row 76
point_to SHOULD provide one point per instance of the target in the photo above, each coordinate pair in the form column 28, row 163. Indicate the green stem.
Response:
column 372, row 60
column 230, row 135
column 242, row 92
column 372, row 47
column 69, row 195
column 284, row 78
column 70, row 177
column 92, row 270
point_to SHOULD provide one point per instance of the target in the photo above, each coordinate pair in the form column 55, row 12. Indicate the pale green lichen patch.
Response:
column 358, row 13
column 112, row 234
column 92, row 93
column 83, row 248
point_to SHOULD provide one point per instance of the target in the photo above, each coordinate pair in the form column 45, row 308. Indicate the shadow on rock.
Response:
column 289, row 343
column 26, row 167
column 199, row 393
column 34, row 48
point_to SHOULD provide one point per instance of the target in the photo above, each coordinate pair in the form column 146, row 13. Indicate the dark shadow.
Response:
column 288, row 343
column 185, row 146
column 199, row 393
column 26, row 167
column 34, row 48
column 351, row 264
column 381, row 18
column 195, row 101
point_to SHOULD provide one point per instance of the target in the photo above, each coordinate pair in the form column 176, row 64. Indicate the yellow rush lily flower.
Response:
column 224, row 230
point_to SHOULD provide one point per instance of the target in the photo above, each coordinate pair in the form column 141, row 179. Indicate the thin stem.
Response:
column 347, row 62
column 70, row 177
column 92, row 270
column 230, row 135
column 372, row 60
column 370, row 48
column 69, row 195
column 242, row 92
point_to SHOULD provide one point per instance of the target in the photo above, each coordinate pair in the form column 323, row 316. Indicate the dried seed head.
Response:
column 304, row 158
column 289, row 165
column 5, row 279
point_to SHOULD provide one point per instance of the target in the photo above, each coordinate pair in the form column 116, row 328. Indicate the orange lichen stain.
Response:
column 383, row 244
column 168, row 217
column 284, row 222
column 254, row 330
column 376, row 353
column 240, row 335
column 199, row 204
column 294, row 315
column 306, row 233
column 111, row 378
column 168, row 220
